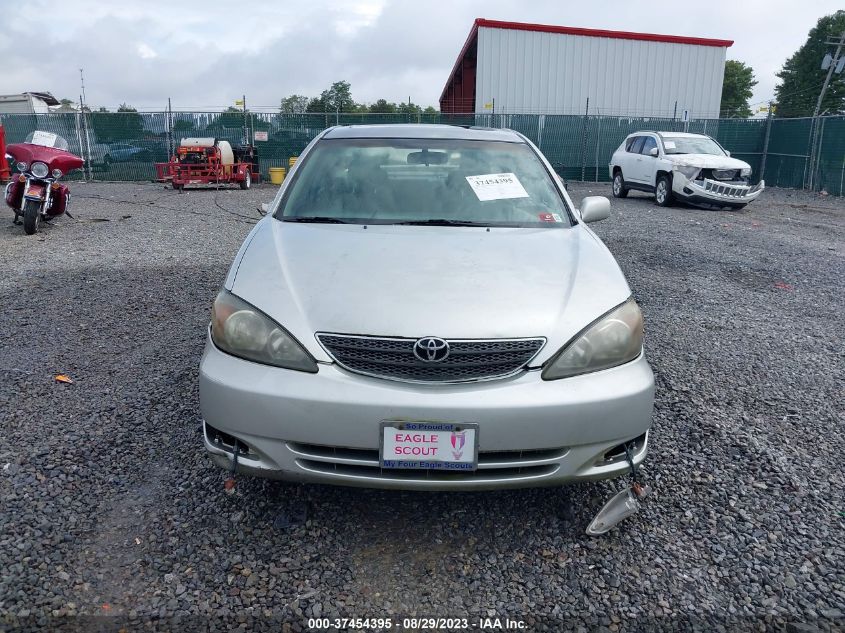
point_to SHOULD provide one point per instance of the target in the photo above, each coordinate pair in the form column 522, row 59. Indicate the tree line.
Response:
column 801, row 78
column 338, row 98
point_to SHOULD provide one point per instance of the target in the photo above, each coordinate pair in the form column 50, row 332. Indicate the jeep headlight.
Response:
column 242, row 330
column 614, row 339
column 687, row 170
column 746, row 172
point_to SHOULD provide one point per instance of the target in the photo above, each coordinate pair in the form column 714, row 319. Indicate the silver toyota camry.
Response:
column 424, row 307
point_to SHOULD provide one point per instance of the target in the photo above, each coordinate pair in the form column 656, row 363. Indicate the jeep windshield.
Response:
column 691, row 145
column 423, row 182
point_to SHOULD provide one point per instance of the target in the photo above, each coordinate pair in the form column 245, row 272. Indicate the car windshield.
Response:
column 424, row 181
column 46, row 139
column 692, row 145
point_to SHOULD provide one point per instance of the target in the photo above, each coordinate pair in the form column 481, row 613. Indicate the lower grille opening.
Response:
column 228, row 443
column 371, row 455
column 617, row 453
column 375, row 472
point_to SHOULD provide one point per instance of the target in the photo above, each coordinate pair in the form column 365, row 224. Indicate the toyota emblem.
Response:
column 431, row 349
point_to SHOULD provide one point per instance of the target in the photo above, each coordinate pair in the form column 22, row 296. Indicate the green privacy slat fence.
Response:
column 800, row 153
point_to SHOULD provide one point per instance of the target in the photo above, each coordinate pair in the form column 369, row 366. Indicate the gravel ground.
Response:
column 110, row 509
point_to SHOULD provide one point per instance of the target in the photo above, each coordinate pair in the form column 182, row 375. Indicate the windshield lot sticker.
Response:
column 496, row 187
column 549, row 217
column 45, row 139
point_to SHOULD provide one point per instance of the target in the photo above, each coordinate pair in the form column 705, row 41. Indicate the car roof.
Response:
column 417, row 130
column 682, row 135
column 669, row 134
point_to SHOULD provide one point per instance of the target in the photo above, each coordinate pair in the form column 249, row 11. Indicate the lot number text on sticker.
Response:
column 496, row 187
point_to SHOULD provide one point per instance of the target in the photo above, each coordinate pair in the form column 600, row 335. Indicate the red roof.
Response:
column 572, row 30
column 620, row 35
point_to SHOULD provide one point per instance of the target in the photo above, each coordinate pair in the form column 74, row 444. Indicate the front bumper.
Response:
column 715, row 192
column 324, row 427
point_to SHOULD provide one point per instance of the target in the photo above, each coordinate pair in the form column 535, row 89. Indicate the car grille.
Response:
column 726, row 190
column 394, row 359
column 360, row 464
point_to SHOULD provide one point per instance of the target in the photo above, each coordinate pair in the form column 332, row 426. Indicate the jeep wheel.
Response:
column 663, row 191
column 619, row 188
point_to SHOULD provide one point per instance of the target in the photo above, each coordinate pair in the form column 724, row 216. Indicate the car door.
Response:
column 646, row 163
column 631, row 164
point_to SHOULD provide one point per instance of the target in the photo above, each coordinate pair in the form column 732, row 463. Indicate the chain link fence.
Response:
column 798, row 153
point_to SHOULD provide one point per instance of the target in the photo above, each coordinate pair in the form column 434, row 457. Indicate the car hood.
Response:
column 708, row 161
column 412, row 281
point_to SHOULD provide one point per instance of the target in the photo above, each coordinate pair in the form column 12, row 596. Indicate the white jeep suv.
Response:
column 693, row 168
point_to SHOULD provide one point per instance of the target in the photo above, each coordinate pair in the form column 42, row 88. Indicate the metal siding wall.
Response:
column 526, row 71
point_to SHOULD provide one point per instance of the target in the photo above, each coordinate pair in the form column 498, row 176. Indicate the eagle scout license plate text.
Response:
column 431, row 445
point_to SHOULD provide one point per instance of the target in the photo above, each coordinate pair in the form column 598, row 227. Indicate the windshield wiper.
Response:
column 441, row 222
column 315, row 219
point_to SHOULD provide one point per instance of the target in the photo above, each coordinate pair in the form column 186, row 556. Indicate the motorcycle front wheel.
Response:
column 31, row 216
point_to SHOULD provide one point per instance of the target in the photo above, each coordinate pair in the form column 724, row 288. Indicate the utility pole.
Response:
column 82, row 83
column 832, row 67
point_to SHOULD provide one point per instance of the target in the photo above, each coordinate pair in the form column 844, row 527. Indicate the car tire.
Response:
column 247, row 181
column 663, row 191
column 31, row 216
column 619, row 188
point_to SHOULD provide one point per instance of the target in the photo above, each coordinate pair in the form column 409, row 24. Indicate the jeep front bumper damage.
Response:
column 715, row 192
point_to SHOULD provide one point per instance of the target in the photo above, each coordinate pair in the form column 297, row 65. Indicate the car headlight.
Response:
column 39, row 170
column 22, row 166
column 687, row 170
column 242, row 330
column 746, row 172
column 614, row 339
column 57, row 173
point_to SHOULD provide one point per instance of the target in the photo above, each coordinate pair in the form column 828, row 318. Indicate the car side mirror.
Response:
column 652, row 151
column 727, row 152
column 595, row 208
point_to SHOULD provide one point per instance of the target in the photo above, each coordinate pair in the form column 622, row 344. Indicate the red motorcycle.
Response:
column 36, row 194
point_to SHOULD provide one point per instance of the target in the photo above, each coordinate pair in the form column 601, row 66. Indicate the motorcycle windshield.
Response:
column 46, row 139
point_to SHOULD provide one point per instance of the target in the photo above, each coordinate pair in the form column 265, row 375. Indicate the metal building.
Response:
column 512, row 67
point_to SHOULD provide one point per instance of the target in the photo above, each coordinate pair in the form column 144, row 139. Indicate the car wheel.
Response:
column 663, row 191
column 619, row 188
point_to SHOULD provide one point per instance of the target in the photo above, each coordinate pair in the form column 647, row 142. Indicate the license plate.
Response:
column 35, row 191
column 429, row 445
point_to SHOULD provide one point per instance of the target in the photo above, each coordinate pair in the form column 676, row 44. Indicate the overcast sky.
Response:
column 206, row 54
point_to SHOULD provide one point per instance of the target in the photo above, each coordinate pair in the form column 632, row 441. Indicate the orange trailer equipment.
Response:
column 203, row 161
